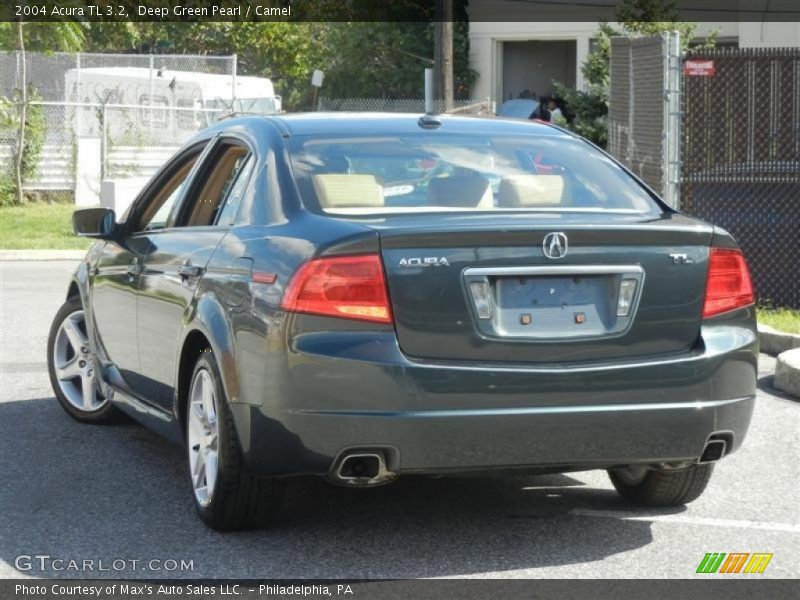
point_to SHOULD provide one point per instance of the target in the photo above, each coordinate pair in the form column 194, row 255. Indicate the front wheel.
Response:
column 661, row 488
column 226, row 495
column 73, row 369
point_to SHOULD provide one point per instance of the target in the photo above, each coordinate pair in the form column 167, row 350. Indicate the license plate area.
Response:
column 552, row 303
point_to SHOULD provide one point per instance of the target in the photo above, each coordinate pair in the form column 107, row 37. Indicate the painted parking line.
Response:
column 687, row 520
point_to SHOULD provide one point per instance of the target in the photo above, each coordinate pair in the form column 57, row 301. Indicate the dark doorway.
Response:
column 529, row 68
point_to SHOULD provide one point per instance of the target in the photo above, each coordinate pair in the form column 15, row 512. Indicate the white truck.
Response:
column 203, row 96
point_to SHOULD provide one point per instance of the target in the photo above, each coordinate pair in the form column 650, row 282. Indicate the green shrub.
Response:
column 35, row 132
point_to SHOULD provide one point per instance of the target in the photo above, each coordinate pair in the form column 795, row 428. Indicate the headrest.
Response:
column 471, row 191
column 530, row 190
column 338, row 190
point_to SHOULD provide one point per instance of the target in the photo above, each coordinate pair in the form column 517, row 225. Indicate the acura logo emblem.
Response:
column 555, row 245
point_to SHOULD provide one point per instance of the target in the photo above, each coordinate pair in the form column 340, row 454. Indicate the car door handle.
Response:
column 190, row 271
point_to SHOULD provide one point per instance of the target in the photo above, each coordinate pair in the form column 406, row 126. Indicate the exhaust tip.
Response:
column 360, row 466
column 362, row 469
column 714, row 450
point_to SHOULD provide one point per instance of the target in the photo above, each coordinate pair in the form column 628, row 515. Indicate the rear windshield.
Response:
column 434, row 172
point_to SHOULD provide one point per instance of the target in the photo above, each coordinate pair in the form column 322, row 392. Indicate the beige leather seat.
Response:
column 468, row 191
column 340, row 190
column 531, row 190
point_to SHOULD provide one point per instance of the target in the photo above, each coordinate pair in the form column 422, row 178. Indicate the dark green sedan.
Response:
column 363, row 296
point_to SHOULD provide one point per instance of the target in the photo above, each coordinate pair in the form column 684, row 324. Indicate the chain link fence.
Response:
column 132, row 140
column 642, row 102
column 741, row 159
column 407, row 105
column 717, row 133
column 66, row 77
column 133, row 105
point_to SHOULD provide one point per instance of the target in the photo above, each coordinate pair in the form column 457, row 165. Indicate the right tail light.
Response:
column 729, row 285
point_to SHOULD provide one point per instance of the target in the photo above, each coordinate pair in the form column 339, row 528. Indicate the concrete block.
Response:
column 787, row 372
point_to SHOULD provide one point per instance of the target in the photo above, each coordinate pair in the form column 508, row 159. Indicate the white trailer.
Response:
column 174, row 103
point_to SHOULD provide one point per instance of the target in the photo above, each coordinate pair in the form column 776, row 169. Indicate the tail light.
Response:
column 728, row 286
column 350, row 287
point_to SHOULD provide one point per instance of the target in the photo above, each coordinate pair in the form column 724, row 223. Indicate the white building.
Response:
column 522, row 56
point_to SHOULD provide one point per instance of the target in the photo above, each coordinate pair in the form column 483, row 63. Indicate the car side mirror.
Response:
column 94, row 222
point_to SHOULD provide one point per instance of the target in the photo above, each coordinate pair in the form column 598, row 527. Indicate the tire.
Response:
column 661, row 488
column 234, row 499
column 71, row 365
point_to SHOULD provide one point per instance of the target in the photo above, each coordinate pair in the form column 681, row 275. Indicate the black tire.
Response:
column 106, row 414
column 240, row 500
column 662, row 488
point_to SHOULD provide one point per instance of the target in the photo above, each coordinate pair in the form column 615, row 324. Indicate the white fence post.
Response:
column 428, row 91
column 152, row 91
column 235, row 61
column 670, row 157
column 104, row 145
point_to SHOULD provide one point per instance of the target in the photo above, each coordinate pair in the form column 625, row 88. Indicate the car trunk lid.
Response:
column 486, row 290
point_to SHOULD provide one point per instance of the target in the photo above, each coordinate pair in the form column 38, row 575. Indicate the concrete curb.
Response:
column 787, row 372
column 772, row 341
column 42, row 254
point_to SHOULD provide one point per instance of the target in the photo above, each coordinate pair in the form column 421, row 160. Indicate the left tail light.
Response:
column 349, row 287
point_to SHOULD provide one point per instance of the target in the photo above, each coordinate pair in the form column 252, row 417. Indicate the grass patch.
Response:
column 39, row 226
column 784, row 319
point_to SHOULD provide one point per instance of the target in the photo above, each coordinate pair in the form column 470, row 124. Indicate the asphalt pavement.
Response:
column 120, row 493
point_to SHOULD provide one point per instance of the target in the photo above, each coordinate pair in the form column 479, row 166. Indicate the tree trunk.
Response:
column 443, row 54
column 22, row 116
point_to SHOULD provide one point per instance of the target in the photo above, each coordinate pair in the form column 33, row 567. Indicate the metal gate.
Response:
column 741, row 158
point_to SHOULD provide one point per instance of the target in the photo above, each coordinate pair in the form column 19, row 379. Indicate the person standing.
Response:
column 554, row 110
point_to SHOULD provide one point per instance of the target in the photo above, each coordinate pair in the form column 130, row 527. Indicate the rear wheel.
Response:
column 226, row 495
column 73, row 369
column 661, row 488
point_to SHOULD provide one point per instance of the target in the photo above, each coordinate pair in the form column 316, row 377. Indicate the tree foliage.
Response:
column 359, row 59
column 59, row 36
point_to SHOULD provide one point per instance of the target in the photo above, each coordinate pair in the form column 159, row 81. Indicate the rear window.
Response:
column 436, row 172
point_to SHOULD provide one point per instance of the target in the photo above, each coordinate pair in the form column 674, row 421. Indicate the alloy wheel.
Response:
column 202, row 437
column 75, row 366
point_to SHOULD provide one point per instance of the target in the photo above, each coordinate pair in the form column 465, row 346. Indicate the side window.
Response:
column 226, row 164
column 158, row 208
column 233, row 200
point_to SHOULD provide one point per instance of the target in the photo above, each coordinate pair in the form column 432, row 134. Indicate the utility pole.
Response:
column 443, row 53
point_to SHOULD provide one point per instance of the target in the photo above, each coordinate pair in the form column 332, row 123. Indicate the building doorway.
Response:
column 529, row 68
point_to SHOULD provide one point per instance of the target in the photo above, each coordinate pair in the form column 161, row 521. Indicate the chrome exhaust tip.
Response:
column 714, row 450
column 362, row 469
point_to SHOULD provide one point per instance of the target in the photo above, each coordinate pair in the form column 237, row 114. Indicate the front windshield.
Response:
column 437, row 172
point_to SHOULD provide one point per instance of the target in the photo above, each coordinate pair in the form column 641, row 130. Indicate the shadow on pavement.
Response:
column 766, row 384
column 89, row 492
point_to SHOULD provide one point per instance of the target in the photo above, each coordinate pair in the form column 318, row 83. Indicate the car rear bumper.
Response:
column 347, row 390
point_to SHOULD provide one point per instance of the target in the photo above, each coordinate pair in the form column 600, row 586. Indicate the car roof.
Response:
column 344, row 123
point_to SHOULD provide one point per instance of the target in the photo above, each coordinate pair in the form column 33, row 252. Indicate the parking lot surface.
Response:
column 78, row 492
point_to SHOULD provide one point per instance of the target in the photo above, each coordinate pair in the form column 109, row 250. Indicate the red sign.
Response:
column 699, row 68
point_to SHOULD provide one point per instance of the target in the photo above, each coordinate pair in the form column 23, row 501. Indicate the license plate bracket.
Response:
column 553, row 303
